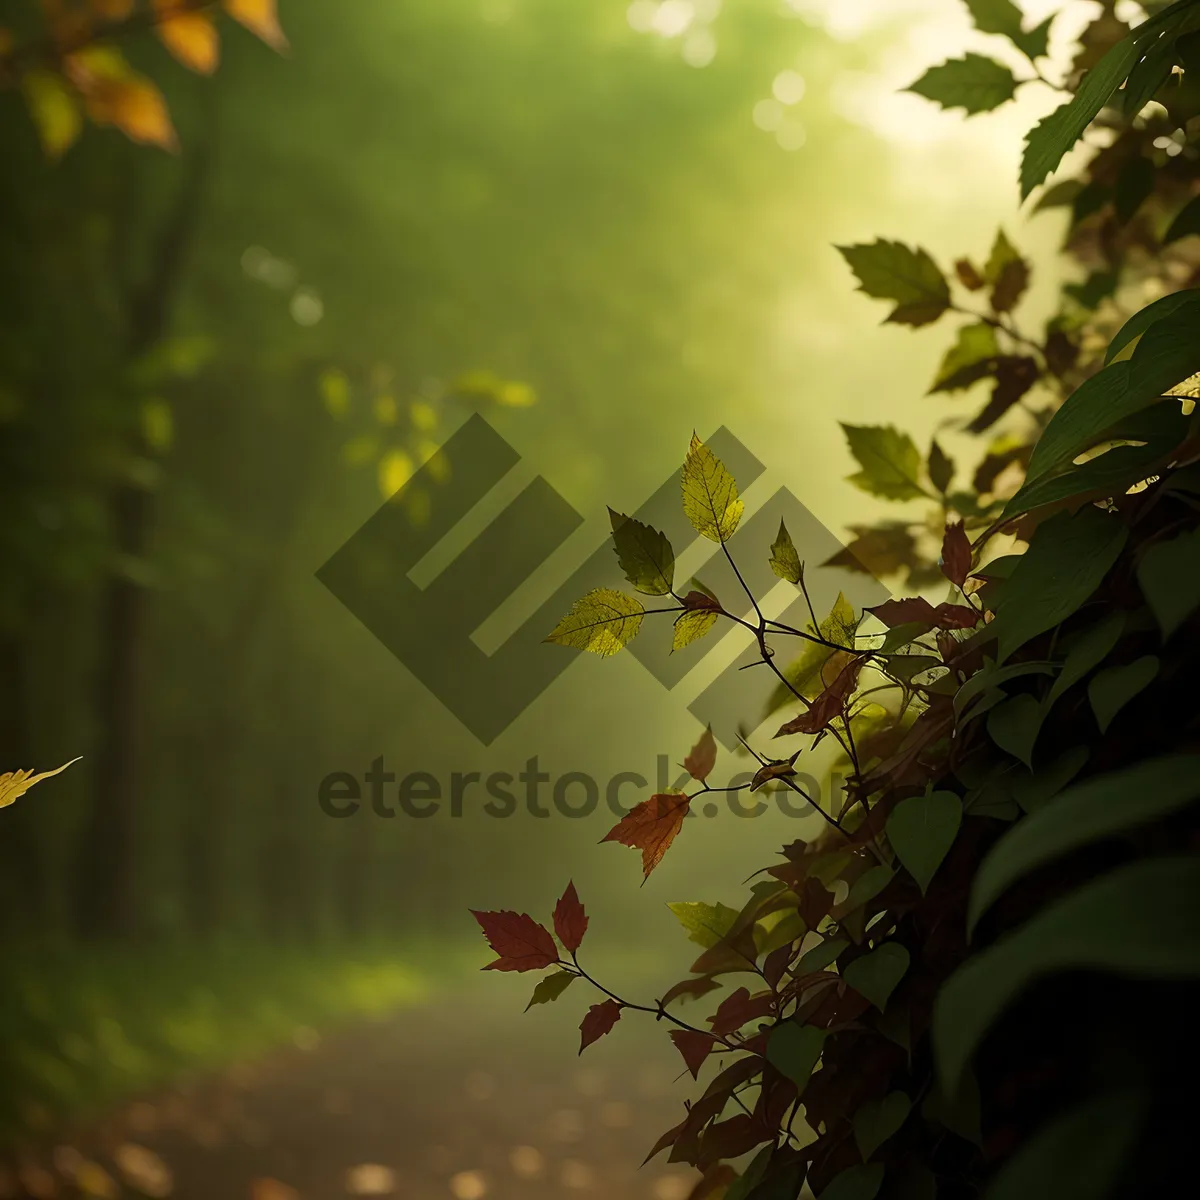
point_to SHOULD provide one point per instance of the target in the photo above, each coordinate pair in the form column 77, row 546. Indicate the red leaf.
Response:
column 695, row 1046
column 738, row 1008
column 523, row 944
column 570, row 921
column 703, row 757
column 905, row 612
column 956, row 616
column 829, row 704
column 668, row 1139
column 777, row 963
column 730, row 1139
column 698, row 601
column 651, row 827
column 956, row 554
column 598, row 1021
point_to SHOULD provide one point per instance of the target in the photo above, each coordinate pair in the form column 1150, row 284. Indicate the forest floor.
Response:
column 457, row 1098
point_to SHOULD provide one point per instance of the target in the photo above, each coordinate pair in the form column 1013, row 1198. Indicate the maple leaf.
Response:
column 521, row 943
column 956, row 554
column 695, row 1046
column 570, row 921
column 651, row 827
column 829, row 704
column 598, row 1021
column 738, row 1008
column 703, row 757
column 14, row 784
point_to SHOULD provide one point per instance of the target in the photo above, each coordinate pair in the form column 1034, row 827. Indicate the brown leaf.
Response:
column 521, row 943
column 776, row 964
column 1015, row 375
column 700, row 602
column 877, row 550
column 570, row 921
column 913, row 611
column 703, row 757
column 695, row 1046
column 815, row 902
column 598, row 1021
column 190, row 35
column 1010, row 285
column 956, row 616
column 730, row 1139
column 783, row 768
column 651, row 827
column 956, row 554
column 829, row 704
column 261, row 18
column 968, row 274
column 667, row 1139
column 691, row 988
column 738, row 1008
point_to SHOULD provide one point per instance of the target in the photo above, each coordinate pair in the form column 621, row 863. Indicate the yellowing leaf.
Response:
column 602, row 622
column 55, row 110
column 710, row 495
column 114, row 94
column 191, row 36
column 261, row 18
column 785, row 561
column 691, row 626
column 14, row 784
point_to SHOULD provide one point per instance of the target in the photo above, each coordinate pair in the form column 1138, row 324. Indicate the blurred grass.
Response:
column 83, row 1029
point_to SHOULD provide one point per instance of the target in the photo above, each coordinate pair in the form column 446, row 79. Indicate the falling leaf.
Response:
column 602, row 622
column 261, row 18
column 710, row 495
column 521, row 943
column 14, row 784
column 702, row 758
column 598, row 1021
column 190, row 35
column 651, row 827
column 570, row 921
column 956, row 554
column 143, row 1170
column 785, row 560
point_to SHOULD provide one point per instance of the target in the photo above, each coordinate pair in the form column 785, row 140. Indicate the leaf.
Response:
column 570, row 921
column 1015, row 375
column 602, row 622
column 940, row 468
column 114, row 94
column 1134, row 185
column 702, row 758
column 710, row 495
column 878, row 1120
column 739, row 1008
column 55, row 110
column 780, row 768
column 191, row 36
column 1007, row 272
column 1114, row 924
column 1068, row 558
column 14, row 784
column 1145, row 317
column 921, row 830
column 916, row 610
column 261, row 19
column 1078, row 1154
column 651, row 827
column 746, row 1184
column 598, row 1021
column 969, row 276
column 893, row 271
column 691, row 626
column 550, row 988
column 973, row 82
column 855, row 1183
column 785, row 561
column 695, row 1045
column 793, row 1050
column 817, row 665
column 1186, row 222
column 955, row 561
column 1169, row 576
column 1102, row 807
column 1113, row 688
column 1087, row 650
column 1015, row 724
column 706, row 924
column 521, row 943
column 644, row 553
column 875, row 975
column 829, row 704
column 866, row 888
column 890, row 461
column 691, row 989
column 878, row 550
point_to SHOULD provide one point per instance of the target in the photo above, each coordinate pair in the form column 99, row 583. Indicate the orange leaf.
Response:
column 956, row 554
column 598, row 1021
column 261, row 18
column 703, row 757
column 523, row 944
column 190, row 36
column 570, row 921
column 114, row 94
column 651, row 827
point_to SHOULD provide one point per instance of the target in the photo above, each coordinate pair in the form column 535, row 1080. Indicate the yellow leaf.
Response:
column 692, row 626
column 602, row 622
column 114, row 94
column 261, row 18
column 14, row 784
column 710, row 495
column 191, row 36
column 55, row 110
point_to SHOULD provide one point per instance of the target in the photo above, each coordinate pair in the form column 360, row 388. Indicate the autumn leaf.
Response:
column 114, row 94
column 695, row 1046
column 651, row 827
column 598, row 1021
column 691, row 626
column 785, row 561
column 521, row 943
column 703, row 601
column 710, row 495
column 14, row 784
column 968, row 274
column 602, row 622
column 702, row 757
column 956, row 554
column 570, row 921
column 261, row 19
column 190, row 35
column 829, row 704
column 918, row 611
column 783, row 768
column 1007, row 273
column 739, row 1008
column 692, row 989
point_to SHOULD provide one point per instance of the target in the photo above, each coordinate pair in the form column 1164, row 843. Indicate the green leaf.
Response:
column 867, row 887
column 940, row 468
column 1115, row 924
column 1086, row 651
column 1004, row 17
column 745, row 1183
column 890, row 461
column 1103, row 807
column 1186, row 222
column 877, row 1120
column 1061, row 195
column 1113, row 688
column 55, row 110
column 970, row 359
column 1134, row 185
column 644, row 553
column 1169, row 576
column 793, row 1050
column 820, row 957
column 602, row 622
column 893, row 271
column 706, row 924
column 710, row 495
column 875, row 975
column 973, row 82
column 691, row 626
column 921, row 830
column 1067, row 560
column 991, row 676
column 785, row 561
column 1014, row 726
column 1145, row 317
column 1035, row 790
column 1078, row 1154
column 855, row 1183
column 550, row 988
